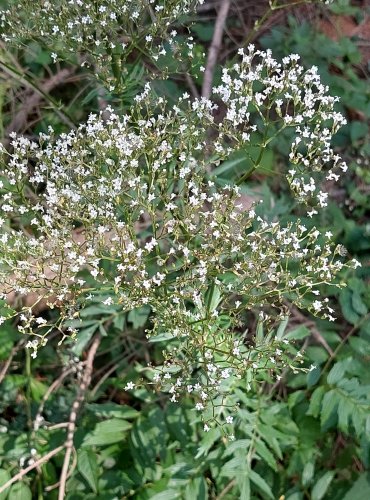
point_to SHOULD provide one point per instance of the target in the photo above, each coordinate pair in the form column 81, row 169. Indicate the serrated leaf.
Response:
column 345, row 300
column 244, row 487
column 88, row 467
column 315, row 401
column 313, row 376
column 357, row 303
column 329, row 405
column 298, row 333
column 265, row 454
column 345, row 408
column 260, row 483
column 320, row 488
column 336, row 373
column 207, row 442
column 281, row 329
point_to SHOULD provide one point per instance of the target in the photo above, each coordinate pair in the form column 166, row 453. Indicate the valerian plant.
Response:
column 102, row 34
column 125, row 211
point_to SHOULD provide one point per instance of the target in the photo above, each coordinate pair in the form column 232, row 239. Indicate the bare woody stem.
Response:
column 35, row 464
column 215, row 48
column 86, row 379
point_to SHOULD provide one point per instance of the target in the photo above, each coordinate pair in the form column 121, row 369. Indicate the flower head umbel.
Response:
column 123, row 211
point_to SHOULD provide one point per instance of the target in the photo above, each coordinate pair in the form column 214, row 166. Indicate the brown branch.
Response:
column 36, row 464
column 7, row 363
column 226, row 490
column 53, row 387
column 71, row 471
column 86, row 379
column 311, row 325
column 214, row 49
column 313, row 328
column 34, row 99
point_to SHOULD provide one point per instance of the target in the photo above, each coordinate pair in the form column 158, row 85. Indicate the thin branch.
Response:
column 35, row 464
column 70, row 472
column 53, row 387
column 86, row 379
column 39, row 90
column 9, row 360
column 226, row 490
column 35, row 99
column 313, row 328
column 192, row 87
column 215, row 48
column 343, row 341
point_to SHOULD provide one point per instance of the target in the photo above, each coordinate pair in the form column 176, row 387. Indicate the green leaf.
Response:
column 20, row 491
column 197, row 489
column 169, row 494
column 83, row 338
column 162, row 337
column 108, row 410
column 204, row 31
column 282, row 327
column 308, row 472
column 336, row 373
column 38, row 389
column 360, row 489
column 4, row 477
column 358, row 130
column 88, row 467
column 329, row 405
column 260, row 483
column 212, row 297
column 320, row 488
column 244, row 487
column 208, row 441
column 298, row 333
column 313, row 376
column 345, row 409
column 357, row 303
column 345, row 300
column 238, row 160
column 138, row 317
column 108, row 432
column 265, row 454
column 315, row 401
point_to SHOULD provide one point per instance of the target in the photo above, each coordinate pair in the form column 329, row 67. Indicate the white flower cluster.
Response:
column 284, row 96
column 123, row 211
column 103, row 33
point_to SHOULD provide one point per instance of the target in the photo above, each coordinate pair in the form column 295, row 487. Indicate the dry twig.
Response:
column 215, row 48
column 312, row 326
column 35, row 464
column 86, row 378
column 9, row 360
